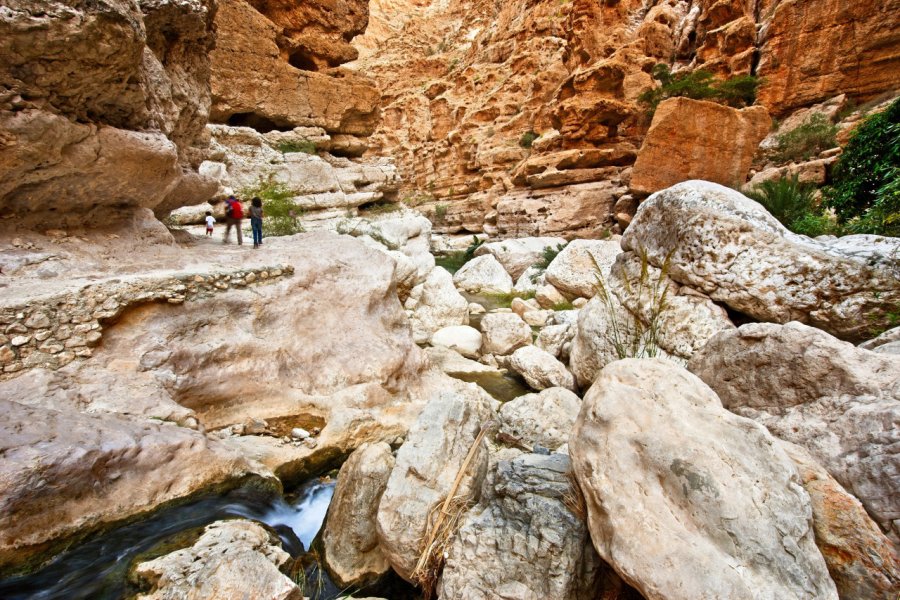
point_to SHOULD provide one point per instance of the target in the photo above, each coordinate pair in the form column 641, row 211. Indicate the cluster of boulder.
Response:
column 731, row 462
column 768, row 450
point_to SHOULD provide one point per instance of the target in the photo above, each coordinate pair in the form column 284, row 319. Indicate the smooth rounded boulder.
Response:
column 462, row 338
column 686, row 500
column 483, row 275
column 352, row 555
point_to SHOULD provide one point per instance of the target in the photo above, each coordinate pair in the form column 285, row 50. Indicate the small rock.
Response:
column 20, row 340
column 255, row 427
column 299, row 433
column 6, row 355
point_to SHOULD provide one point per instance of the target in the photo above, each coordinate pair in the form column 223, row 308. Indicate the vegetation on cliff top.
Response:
column 865, row 192
column 737, row 92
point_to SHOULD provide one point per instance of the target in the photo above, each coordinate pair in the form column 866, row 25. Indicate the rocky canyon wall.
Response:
column 509, row 117
column 102, row 104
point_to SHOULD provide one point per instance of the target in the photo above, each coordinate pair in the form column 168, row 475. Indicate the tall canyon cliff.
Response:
column 467, row 85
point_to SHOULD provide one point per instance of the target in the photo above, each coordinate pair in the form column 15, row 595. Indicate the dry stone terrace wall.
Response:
column 53, row 331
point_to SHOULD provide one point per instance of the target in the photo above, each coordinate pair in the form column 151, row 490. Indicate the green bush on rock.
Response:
column 806, row 141
column 736, row 92
column 282, row 215
column 865, row 192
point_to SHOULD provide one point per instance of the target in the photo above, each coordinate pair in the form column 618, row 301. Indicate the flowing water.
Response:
column 97, row 568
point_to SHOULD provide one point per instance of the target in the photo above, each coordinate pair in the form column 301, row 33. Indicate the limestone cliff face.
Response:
column 102, row 103
column 463, row 81
column 270, row 69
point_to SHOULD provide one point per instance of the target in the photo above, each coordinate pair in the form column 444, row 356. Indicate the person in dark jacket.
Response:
column 256, row 217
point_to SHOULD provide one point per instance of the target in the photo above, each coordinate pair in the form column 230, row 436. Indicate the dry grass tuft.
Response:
column 443, row 524
column 574, row 498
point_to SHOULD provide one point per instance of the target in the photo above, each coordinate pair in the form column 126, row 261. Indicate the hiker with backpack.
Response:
column 256, row 218
column 234, row 213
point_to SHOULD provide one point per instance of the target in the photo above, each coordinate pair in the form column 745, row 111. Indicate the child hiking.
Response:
column 234, row 213
column 256, row 217
column 210, row 221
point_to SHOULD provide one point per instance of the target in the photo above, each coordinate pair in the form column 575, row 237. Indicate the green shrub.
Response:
column 737, row 91
column 453, row 261
column 440, row 212
column 528, row 138
column 794, row 204
column 815, row 224
column 282, row 216
column 305, row 146
column 547, row 255
column 786, row 198
column 564, row 305
column 866, row 180
column 806, row 141
column 504, row 299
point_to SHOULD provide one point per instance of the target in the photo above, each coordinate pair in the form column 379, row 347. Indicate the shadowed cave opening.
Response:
column 258, row 122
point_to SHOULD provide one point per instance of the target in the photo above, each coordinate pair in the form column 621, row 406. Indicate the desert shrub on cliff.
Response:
column 528, row 138
column 282, row 215
column 866, row 187
column 806, row 141
column 736, row 91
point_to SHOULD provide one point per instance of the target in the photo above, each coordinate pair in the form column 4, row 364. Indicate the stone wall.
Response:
column 51, row 332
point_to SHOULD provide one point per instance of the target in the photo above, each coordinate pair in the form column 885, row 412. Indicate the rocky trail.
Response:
column 557, row 300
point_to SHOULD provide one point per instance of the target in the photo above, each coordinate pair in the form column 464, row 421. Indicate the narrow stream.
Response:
column 97, row 568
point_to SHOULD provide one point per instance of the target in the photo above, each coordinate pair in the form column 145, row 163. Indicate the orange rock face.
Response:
column 463, row 81
column 255, row 84
column 691, row 139
column 812, row 51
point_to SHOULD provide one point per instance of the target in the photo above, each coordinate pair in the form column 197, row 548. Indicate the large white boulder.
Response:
column 517, row 255
column 840, row 402
column 553, row 339
column 483, row 275
column 686, row 500
column 727, row 246
column 504, row 333
column 522, row 541
column 349, row 539
column 574, row 271
column 436, row 304
column 427, row 466
column 462, row 338
column 545, row 419
column 540, row 369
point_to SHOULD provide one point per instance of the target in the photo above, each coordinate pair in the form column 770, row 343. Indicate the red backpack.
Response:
column 237, row 210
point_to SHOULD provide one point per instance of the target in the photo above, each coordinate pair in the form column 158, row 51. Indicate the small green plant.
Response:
column 379, row 208
column 633, row 335
column 866, row 180
column 504, row 299
column 787, row 198
column 737, row 91
column 528, row 138
column 806, row 141
column 453, row 261
column 547, row 255
column 564, row 305
column 440, row 212
column 305, row 146
column 281, row 214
